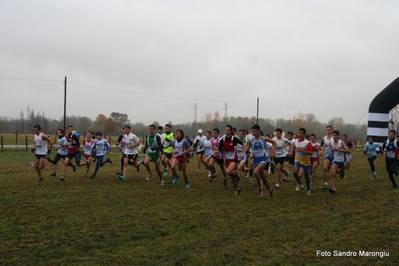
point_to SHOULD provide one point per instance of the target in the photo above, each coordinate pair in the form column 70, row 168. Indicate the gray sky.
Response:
column 154, row 59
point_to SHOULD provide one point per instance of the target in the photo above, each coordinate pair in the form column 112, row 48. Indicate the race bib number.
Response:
column 230, row 155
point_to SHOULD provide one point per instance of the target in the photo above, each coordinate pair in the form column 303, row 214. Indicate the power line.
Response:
column 270, row 103
column 142, row 93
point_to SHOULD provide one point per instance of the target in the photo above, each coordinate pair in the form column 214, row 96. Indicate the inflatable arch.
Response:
column 382, row 104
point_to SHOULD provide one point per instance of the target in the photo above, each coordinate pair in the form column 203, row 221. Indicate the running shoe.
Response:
column 173, row 181
column 166, row 171
column 198, row 170
column 74, row 168
column 238, row 192
column 123, row 178
column 277, row 185
column 308, row 192
column 225, row 182
column 325, row 187
column 187, row 185
column 62, row 178
column 53, row 174
column 286, row 177
column 213, row 177
column 299, row 187
column 148, row 177
column 332, row 190
column 93, row 176
column 161, row 182
column 249, row 181
column 260, row 193
column 209, row 173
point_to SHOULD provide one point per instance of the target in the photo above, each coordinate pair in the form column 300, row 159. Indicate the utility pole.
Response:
column 65, row 94
column 225, row 109
column 195, row 113
column 257, row 111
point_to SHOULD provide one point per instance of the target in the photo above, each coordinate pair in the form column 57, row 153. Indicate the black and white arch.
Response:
column 379, row 110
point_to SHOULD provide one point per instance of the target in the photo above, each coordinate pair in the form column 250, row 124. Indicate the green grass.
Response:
column 107, row 222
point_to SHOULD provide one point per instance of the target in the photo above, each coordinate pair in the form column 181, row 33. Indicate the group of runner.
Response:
column 94, row 148
column 251, row 153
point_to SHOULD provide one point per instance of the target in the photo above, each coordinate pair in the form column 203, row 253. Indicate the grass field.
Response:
column 105, row 221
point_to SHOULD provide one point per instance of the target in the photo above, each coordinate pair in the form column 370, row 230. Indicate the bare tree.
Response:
column 120, row 118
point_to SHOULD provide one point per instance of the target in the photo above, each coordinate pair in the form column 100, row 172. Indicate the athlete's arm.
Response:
column 62, row 143
column 308, row 149
column 274, row 147
column 353, row 146
column 220, row 148
column 384, row 145
column 137, row 140
column 190, row 148
column 159, row 142
column 345, row 148
column 50, row 140
column 76, row 143
column 119, row 140
column 146, row 145
column 323, row 147
column 107, row 146
column 93, row 148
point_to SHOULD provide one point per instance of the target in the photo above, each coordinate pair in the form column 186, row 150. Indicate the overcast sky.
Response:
column 153, row 60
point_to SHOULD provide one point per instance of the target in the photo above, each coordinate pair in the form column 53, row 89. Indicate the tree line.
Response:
column 112, row 125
